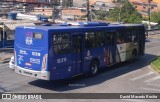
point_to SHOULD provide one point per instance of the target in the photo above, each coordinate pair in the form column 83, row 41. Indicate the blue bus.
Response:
column 52, row 52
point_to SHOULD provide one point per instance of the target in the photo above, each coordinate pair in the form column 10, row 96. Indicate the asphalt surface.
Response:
column 135, row 77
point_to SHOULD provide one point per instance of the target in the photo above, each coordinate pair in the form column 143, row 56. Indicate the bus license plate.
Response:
column 29, row 73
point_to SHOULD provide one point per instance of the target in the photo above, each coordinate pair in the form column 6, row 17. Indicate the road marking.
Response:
column 152, row 79
column 150, row 89
column 144, row 75
column 154, row 85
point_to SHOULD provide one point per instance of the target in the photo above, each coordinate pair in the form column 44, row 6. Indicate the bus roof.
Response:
column 65, row 26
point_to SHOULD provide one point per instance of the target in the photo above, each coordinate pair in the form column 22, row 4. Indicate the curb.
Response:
column 5, row 61
column 153, row 34
column 152, row 68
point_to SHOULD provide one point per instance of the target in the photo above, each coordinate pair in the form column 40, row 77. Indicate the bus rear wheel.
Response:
column 94, row 66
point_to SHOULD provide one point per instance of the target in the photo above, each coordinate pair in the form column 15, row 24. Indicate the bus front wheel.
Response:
column 94, row 66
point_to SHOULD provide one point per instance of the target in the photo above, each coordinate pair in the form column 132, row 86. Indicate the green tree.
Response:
column 101, row 14
column 126, row 13
column 155, row 17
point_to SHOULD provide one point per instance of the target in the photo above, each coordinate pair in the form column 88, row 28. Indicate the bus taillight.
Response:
column 44, row 62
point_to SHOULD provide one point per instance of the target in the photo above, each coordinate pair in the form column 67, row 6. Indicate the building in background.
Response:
column 73, row 13
column 142, row 6
column 80, row 3
column 109, row 1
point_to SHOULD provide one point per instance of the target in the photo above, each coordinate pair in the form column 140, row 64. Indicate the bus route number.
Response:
column 36, row 54
column 61, row 60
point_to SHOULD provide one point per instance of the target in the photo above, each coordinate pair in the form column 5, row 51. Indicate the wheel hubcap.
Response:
column 94, row 68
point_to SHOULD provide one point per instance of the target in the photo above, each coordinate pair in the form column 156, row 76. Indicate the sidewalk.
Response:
column 5, row 57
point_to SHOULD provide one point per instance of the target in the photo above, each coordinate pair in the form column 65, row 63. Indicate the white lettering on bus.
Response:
column 36, row 61
column 29, row 41
column 23, row 52
column 20, row 57
column 36, row 54
column 61, row 60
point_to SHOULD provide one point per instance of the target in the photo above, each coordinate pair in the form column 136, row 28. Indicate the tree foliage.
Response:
column 155, row 17
column 126, row 13
column 101, row 14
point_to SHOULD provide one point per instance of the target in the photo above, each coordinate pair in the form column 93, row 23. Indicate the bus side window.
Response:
column 109, row 38
column 100, row 39
column 9, row 35
column 90, row 40
column 61, row 43
column 119, row 38
column 135, row 35
column 127, row 36
column 76, row 44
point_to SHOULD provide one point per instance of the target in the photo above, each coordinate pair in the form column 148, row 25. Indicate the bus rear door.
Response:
column 110, row 48
column 77, row 53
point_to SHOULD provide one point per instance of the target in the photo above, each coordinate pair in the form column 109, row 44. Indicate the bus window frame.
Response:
column 95, row 42
column 53, row 44
column 87, row 40
column 121, row 38
column 103, row 32
column 7, row 35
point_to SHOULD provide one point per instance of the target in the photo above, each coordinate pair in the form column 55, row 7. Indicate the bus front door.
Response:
column 77, row 53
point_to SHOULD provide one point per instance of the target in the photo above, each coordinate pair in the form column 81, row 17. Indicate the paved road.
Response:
column 133, row 77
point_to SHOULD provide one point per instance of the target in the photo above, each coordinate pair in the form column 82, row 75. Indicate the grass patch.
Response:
column 156, row 64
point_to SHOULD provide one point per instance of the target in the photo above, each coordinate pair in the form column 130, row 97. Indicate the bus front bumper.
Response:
column 44, row 75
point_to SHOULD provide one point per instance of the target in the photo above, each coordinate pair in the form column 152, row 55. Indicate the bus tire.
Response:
column 94, row 66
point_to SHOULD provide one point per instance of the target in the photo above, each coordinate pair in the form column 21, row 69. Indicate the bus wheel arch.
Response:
column 94, row 67
column 134, row 54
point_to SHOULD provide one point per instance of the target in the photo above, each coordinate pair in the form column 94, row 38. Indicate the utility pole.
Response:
column 119, row 15
column 87, row 11
column 55, row 3
column 53, row 13
column 149, row 14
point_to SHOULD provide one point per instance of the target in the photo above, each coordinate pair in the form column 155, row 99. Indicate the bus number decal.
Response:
column 36, row 61
column 36, row 54
column 61, row 60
